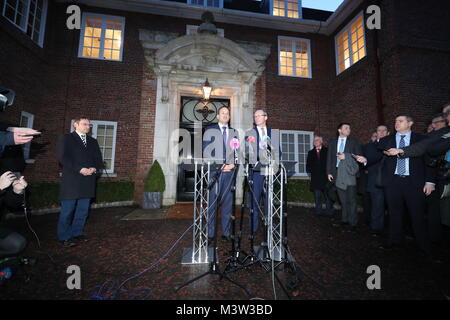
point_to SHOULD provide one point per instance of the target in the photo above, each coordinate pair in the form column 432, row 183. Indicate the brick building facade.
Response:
column 405, row 67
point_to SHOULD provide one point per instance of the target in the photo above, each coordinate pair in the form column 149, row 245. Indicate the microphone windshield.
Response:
column 234, row 144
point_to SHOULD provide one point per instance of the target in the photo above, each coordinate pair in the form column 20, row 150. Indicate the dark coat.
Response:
column 371, row 152
column 8, row 199
column 73, row 156
column 419, row 171
column 317, row 168
column 351, row 146
column 436, row 143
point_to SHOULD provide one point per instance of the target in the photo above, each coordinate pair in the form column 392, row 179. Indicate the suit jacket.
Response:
column 418, row 170
column 435, row 144
column 317, row 168
column 372, row 153
column 73, row 156
column 351, row 146
column 210, row 135
column 252, row 151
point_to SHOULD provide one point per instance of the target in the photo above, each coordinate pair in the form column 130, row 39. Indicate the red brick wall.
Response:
column 55, row 85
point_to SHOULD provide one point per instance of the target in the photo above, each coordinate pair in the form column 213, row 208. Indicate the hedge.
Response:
column 45, row 194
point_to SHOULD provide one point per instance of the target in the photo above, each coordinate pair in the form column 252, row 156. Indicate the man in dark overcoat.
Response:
column 81, row 160
column 316, row 166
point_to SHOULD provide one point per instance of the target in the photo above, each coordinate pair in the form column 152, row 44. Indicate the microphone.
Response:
column 264, row 143
column 235, row 144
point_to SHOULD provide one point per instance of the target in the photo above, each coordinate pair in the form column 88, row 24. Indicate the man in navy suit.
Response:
column 406, row 181
column 216, row 144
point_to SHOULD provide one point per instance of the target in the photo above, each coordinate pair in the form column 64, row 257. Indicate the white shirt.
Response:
column 260, row 131
column 339, row 142
column 227, row 130
column 81, row 134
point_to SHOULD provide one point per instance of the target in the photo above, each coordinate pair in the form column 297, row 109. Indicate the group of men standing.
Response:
column 398, row 179
column 395, row 182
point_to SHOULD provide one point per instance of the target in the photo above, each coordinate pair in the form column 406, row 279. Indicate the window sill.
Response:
column 104, row 175
column 109, row 175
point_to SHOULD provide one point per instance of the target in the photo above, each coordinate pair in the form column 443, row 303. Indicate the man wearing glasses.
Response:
column 259, row 140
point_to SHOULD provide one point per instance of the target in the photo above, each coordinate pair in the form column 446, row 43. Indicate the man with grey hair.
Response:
column 316, row 167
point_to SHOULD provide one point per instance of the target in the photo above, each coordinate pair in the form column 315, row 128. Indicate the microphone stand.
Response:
column 233, row 260
column 214, row 268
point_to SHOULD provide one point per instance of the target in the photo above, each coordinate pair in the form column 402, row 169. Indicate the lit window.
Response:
column 101, row 37
column 295, row 146
column 29, row 16
column 350, row 44
column 191, row 29
column 26, row 121
column 287, row 8
column 294, row 57
column 207, row 3
column 105, row 132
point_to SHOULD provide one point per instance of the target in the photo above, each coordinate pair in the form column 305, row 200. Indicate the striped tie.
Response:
column 83, row 138
column 401, row 162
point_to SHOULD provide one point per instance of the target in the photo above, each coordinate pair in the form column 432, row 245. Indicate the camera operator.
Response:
column 437, row 145
column 11, row 195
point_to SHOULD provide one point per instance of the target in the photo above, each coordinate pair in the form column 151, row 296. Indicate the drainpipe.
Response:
column 378, row 90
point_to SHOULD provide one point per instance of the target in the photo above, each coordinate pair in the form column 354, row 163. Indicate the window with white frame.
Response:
column 105, row 132
column 191, row 29
column 286, row 8
column 101, row 37
column 294, row 57
column 295, row 146
column 350, row 44
column 26, row 121
column 29, row 16
column 207, row 3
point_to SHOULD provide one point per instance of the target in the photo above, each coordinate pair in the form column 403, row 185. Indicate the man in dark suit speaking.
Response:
column 80, row 157
column 216, row 145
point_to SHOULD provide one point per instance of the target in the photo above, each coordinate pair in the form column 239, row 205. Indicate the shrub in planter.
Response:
column 154, row 187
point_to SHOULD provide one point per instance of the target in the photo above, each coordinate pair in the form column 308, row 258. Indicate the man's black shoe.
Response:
column 225, row 239
column 388, row 246
column 68, row 243
column 210, row 239
column 351, row 229
column 375, row 234
column 81, row 238
column 339, row 224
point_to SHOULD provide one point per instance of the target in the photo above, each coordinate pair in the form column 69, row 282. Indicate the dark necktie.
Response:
column 83, row 138
column 318, row 153
column 224, row 133
column 401, row 162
